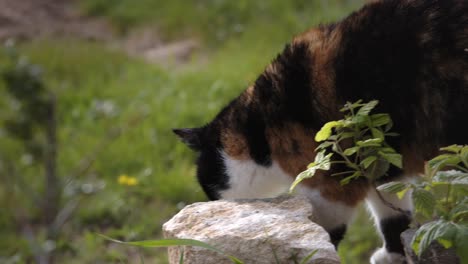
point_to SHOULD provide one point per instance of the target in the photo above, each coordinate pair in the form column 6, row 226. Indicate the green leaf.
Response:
column 395, row 159
column 174, row 242
column 445, row 243
column 443, row 161
column 388, row 150
column 310, row 172
column 349, row 106
column 349, row 178
column 376, row 133
column 321, row 162
column 391, row 134
column 461, row 243
column 345, row 135
column 402, row 193
column 368, row 161
column 464, row 155
column 433, row 231
column 451, row 177
column 365, row 109
column 452, row 148
column 388, row 126
column 373, row 142
column 460, row 211
column 393, row 187
column 424, row 201
column 326, row 131
column 324, row 145
column 380, row 119
column 351, row 151
column 359, row 121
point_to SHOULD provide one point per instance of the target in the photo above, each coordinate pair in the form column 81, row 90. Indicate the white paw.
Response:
column 382, row 256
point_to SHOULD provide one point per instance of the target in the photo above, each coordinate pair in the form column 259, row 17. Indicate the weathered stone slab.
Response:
column 254, row 231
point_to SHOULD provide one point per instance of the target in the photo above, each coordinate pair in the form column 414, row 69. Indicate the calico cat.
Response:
column 411, row 55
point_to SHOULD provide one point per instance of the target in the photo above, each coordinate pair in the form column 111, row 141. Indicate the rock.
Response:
column 254, row 231
column 434, row 254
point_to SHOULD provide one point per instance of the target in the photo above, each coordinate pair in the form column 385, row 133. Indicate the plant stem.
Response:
column 341, row 173
column 389, row 204
column 340, row 152
column 461, row 168
column 447, row 198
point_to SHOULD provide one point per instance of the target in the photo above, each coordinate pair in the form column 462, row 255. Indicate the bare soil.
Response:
column 26, row 20
column 30, row 19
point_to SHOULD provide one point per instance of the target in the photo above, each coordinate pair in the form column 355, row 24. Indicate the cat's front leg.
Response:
column 333, row 216
column 391, row 223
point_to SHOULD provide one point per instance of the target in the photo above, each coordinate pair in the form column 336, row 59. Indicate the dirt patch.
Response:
column 146, row 43
column 31, row 19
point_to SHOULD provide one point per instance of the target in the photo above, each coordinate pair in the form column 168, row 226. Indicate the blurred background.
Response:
column 89, row 92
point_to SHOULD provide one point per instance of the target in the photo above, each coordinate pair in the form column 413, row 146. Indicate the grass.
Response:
column 218, row 20
column 100, row 90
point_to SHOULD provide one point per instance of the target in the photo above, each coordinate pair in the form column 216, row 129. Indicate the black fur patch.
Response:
column 254, row 132
column 337, row 234
column 285, row 93
column 394, row 52
column 391, row 229
column 211, row 173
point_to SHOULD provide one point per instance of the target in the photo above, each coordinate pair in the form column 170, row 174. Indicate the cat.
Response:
column 411, row 55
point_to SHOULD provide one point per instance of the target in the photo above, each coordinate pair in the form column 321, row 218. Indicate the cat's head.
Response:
column 230, row 165
column 211, row 167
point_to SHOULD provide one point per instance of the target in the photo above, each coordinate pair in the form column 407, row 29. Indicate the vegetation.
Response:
column 441, row 202
column 368, row 154
column 118, row 164
column 440, row 199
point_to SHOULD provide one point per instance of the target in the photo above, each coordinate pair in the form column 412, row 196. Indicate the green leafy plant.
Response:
column 359, row 141
column 440, row 198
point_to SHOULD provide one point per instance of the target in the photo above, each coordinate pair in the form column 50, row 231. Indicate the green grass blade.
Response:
column 173, row 242
column 308, row 257
column 181, row 259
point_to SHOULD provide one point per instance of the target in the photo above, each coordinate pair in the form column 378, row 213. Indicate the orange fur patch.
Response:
column 293, row 148
column 235, row 145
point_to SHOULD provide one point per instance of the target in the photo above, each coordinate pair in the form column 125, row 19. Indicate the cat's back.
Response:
column 413, row 57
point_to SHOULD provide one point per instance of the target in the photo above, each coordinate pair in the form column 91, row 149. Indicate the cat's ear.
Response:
column 191, row 137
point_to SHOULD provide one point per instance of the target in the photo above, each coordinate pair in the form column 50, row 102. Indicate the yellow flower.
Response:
column 122, row 179
column 127, row 180
column 325, row 131
column 132, row 181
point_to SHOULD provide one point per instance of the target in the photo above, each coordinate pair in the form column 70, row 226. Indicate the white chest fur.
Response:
column 250, row 180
